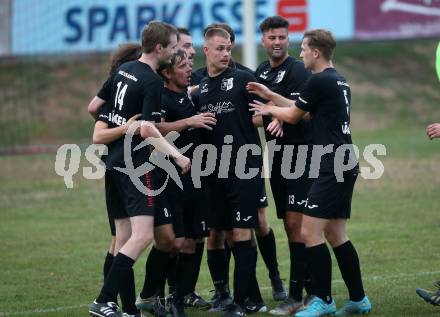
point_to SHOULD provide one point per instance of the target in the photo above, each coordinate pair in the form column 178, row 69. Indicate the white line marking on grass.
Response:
column 43, row 310
column 207, row 292
column 380, row 278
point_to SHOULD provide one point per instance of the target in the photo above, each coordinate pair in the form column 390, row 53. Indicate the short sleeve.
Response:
column 296, row 81
column 310, row 94
column 103, row 113
column 105, row 93
column 152, row 101
column 248, row 77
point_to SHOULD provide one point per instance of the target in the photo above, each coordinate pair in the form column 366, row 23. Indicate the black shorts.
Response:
column 262, row 201
column 124, row 200
column 289, row 194
column 189, row 208
column 330, row 199
column 233, row 203
column 111, row 222
column 163, row 213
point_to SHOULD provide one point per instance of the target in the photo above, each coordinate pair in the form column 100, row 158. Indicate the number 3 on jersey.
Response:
column 120, row 94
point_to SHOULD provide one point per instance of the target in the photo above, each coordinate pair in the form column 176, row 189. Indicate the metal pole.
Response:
column 249, row 44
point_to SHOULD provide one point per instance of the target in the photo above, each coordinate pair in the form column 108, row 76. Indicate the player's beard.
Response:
column 278, row 55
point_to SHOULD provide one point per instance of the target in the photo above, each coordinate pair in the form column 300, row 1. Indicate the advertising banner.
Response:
column 397, row 19
column 71, row 26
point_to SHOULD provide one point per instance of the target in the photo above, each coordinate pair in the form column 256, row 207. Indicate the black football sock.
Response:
column 217, row 264
column 119, row 272
column 245, row 261
column 254, row 288
column 228, row 260
column 320, row 263
column 155, row 272
column 195, row 268
column 348, row 262
column 172, row 274
column 268, row 252
column 297, row 270
column 184, row 279
column 308, row 280
column 127, row 292
column 107, row 263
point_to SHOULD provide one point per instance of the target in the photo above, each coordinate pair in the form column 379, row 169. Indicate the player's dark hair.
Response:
column 179, row 56
column 223, row 26
column 182, row 30
column 156, row 33
column 273, row 22
column 217, row 32
column 322, row 40
column 124, row 53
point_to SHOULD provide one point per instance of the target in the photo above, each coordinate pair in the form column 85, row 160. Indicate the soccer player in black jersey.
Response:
column 286, row 76
column 264, row 234
column 233, row 198
column 193, row 299
column 136, row 89
column 326, row 97
column 188, row 204
column 125, row 53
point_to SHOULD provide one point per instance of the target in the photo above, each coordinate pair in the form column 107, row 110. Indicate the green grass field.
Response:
column 53, row 239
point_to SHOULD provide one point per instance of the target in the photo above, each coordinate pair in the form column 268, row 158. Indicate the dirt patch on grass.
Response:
column 408, row 174
column 365, row 122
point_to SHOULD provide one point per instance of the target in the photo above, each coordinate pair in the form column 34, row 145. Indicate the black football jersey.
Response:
column 105, row 92
column 288, row 80
column 177, row 106
column 226, row 96
column 135, row 88
column 327, row 98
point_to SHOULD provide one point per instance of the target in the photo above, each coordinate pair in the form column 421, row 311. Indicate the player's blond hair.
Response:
column 216, row 32
column 322, row 40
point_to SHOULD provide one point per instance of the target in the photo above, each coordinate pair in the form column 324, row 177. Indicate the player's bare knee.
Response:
column 306, row 235
column 178, row 244
column 120, row 241
column 216, row 240
column 141, row 241
column 189, row 246
column 166, row 244
column 335, row 238
column 262, row 220
column 241, row 235
column 122, row 236
column 263, row 226
column 293, row 229
column 262, row 231
column 112, row 247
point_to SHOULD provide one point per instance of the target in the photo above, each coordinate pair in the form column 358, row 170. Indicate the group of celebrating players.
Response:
column 152, row 91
